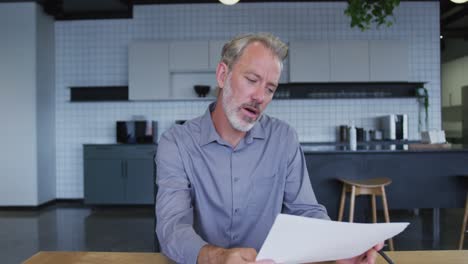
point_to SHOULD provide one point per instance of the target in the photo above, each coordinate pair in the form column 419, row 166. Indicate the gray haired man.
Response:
column 223, row 177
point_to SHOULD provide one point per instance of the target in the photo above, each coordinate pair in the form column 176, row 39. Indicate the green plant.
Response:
column 365, row 12
column 423, row 95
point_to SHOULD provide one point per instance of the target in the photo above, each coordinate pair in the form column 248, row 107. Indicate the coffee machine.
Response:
column 394, row 127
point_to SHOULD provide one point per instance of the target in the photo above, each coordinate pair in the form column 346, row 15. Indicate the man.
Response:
column 224, row 177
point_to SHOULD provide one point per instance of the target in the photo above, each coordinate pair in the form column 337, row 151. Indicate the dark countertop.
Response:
column 380, row 146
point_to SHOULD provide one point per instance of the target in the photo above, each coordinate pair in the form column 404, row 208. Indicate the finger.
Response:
column 371, row 256
column 379, row 246
column 248, row 254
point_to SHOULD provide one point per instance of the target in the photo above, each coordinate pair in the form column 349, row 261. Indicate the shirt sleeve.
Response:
column 299, row 198
column 174, row 210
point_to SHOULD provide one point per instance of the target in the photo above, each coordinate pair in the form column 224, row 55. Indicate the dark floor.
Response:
column 73, row 227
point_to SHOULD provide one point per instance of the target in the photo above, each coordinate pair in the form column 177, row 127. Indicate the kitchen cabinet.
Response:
column 349, row 61
column 188, row 56
column 215, row 48
column 309, row 61
column 119, row 174
column 149, row 71
column 388, row 60
column 169, row 70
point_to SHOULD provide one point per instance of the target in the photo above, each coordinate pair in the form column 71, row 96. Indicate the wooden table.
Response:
column 413, row 257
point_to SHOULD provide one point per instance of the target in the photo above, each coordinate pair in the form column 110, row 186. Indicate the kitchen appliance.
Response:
column 137, row 132
column 395, row 127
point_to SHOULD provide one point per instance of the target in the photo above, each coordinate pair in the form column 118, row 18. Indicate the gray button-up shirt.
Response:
column 229, row 197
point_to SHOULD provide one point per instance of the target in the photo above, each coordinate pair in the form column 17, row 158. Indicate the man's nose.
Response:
column 259, row 94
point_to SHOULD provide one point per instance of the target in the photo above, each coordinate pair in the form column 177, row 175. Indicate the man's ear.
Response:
column 221, row 74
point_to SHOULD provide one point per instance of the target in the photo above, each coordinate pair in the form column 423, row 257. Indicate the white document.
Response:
column 297, row 239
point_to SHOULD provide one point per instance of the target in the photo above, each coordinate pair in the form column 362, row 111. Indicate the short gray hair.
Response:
column 234, row 49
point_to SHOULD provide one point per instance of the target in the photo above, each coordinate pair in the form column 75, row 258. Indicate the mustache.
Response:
column 252, row 104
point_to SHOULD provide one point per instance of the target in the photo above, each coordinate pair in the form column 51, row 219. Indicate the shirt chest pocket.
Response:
column 263, row 191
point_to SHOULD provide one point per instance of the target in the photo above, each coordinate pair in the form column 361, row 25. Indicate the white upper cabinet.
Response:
column 309, row 61
column 215, row 49
column 349, row 61
column 388, row 60
column 149, row 71
column 188, row 56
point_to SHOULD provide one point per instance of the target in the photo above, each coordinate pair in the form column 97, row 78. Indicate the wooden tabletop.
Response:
column 59, row 257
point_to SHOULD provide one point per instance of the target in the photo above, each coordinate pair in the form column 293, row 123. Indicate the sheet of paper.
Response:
column 297, row 239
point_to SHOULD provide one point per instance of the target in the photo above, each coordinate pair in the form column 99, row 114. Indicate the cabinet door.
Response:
column 149, row 71
column 140, row 181
column 188, row 56
column 349, row 61
column 388, row 60
column 104, row 181
column 215, row 49
column 309, row 61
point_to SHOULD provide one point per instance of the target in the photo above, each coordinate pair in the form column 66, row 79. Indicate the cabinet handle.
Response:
column 122, row 166
column 125, row 171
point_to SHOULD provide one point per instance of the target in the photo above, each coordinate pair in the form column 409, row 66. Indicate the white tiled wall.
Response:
column 95, row 53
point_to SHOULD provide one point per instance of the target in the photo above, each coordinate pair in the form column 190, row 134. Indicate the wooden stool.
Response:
column 373, row 187
column 463, row 229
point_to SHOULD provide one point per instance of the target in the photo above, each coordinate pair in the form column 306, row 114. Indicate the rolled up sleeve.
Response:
column 174, row 210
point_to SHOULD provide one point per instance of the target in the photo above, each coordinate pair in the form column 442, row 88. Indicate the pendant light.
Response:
column 229, row 2
column 459, row 1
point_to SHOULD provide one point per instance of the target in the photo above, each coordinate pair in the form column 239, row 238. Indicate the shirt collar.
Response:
column 209, row 134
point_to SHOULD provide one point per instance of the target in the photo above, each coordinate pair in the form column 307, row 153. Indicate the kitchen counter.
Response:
column 380, row 146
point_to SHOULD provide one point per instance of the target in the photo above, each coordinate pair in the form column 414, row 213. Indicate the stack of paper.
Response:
column 296, row 239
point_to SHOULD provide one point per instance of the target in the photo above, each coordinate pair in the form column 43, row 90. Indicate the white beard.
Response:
column 231, row 108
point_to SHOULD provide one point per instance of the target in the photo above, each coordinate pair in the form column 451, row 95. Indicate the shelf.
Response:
column 347, row 90
column 98, row 93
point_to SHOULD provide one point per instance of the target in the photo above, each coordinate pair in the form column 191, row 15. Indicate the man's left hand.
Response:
column 367, row 257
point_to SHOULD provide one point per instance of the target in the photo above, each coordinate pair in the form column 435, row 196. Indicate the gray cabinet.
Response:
column 349, row 61
column 388, row 60
column 148, row 70
column 119, row 174
column 309, row 61
column 188, row 56
column 215, row 49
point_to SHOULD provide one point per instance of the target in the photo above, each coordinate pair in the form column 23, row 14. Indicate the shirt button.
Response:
column 236, row 179
column 236, row 210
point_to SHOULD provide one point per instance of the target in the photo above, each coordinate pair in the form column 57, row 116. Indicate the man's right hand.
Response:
column 215, row 255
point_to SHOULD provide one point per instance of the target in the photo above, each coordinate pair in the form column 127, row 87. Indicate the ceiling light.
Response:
column 459, row 1
column 232, row 2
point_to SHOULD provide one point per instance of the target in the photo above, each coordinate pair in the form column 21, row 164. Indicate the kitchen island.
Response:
column 421, row 177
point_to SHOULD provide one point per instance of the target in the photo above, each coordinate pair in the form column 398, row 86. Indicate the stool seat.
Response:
column 373, row 187
column 367, row 183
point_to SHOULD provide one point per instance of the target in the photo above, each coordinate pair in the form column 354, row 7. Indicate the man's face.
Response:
column 250, row 85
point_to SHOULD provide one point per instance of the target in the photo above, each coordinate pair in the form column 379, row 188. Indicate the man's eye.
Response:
column 251, row 80
column 270, row 90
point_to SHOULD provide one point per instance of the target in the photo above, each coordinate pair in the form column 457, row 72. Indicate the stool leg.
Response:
column 463, row 229
column 342, row 203
column 374, row 209
column 351, row 203
column 387, row 217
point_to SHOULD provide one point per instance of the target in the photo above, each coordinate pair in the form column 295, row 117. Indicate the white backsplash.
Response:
column 94, row 53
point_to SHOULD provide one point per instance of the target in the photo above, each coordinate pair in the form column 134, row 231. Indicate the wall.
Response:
column 454, row 49
column 45, row 99
column 18, row 167
column 95, row 53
